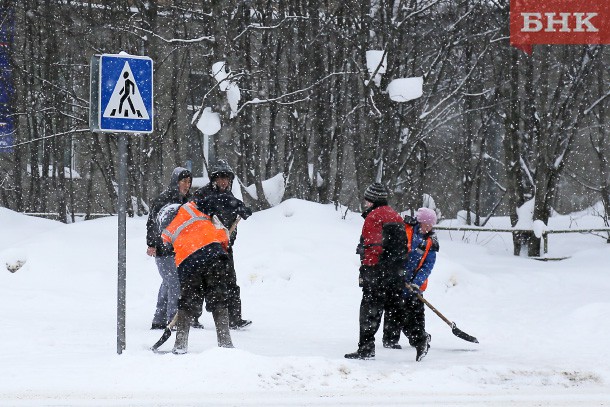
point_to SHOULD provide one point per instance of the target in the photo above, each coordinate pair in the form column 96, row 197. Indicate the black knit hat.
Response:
column 376, row 193
column 184, row 174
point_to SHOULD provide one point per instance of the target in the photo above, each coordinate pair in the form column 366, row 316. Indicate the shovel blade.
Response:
column 166, row 334
column 463, row 335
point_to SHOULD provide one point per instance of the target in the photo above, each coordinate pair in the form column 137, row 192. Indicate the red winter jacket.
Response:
column 374, row 219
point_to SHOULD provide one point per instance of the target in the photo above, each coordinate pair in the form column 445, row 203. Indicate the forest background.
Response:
column 494, row 128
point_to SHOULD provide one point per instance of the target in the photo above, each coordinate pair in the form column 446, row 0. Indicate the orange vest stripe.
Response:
column 192, row 230
column 409, row 230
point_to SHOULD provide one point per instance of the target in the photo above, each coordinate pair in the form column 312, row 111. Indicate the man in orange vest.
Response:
column 423, row 246
column 200, row 243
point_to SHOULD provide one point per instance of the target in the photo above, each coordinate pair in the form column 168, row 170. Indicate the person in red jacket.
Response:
column 381, row 279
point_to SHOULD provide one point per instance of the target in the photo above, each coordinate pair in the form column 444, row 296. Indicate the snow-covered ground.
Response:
column 543, row 326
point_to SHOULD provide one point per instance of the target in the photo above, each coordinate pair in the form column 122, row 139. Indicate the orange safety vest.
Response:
column 409, row 230
column 191, row 230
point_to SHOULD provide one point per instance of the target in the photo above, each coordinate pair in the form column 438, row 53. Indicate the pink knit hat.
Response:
column 427, row 216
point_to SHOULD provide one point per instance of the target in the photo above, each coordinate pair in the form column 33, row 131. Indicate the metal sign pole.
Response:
column 121, row 102
column 122, row 249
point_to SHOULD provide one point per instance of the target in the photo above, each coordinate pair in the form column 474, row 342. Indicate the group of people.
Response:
column 397, row 256
column 192, row 237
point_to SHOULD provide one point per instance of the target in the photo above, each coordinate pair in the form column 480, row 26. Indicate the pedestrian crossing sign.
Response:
column 121, row 94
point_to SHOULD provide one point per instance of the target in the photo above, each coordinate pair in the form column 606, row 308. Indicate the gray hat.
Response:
column 376, row 193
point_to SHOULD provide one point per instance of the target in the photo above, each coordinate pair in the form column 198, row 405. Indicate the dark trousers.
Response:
column 414, row 321
column 393, row 322
column 207, row 280
column 410, row 319
column 381, row 289
column 233, row 293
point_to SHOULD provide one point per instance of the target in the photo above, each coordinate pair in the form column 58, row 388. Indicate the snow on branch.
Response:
column 376, row 63
column 280, row 99
column 526, row 169
column 405, row 89
column 272, row 27
column 597, row 102
column 178, row 40
column 413, row 14
column 209, row 122
column 48, row 137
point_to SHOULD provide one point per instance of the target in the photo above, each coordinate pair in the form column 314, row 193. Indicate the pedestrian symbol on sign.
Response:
column 121, row 94
column 126, row 101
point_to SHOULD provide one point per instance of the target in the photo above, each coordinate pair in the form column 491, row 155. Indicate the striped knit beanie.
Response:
column 376, row 193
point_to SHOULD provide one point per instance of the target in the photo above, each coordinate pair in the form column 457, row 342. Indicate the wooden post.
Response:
column 545, row 239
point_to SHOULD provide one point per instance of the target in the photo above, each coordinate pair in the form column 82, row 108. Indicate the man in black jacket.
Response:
column 221, row 181
column 176, row 193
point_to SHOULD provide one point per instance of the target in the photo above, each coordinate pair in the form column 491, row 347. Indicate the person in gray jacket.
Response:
column 177, row 193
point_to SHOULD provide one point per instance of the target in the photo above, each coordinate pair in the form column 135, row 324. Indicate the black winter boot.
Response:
column 422, row 347
column 183, row 325
column 361, row 354
column 234, row 308
column 196, row 324
column 221, row 320
column 242, row 323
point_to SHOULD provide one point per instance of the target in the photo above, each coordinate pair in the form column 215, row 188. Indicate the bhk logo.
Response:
column 559, row 22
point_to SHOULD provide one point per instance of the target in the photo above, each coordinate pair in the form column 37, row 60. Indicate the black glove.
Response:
column 360, row 249
column 414, row 288
column 410, row 220
column 244, row 212
column 434, row 247
column 238, row 208
column 369, row 276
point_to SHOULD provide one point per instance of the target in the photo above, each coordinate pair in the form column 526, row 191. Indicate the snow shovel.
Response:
column 167, row 333
column 456, row 331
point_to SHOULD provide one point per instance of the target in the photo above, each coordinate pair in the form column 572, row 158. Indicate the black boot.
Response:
column 422, row 347
column 361, row 354
column 183, row 325
column 391, row 345
column 370, row 319
column 234, row 309
column 241, row 323
column 221, row 320
column 196, row 324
